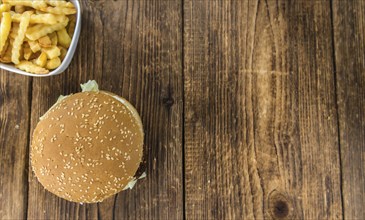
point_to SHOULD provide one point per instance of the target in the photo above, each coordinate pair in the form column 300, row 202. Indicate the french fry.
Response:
column 29, row 3
column 63, row 52
column 63, row 39
column 21, row 53
column 2, row 53
column 60, row 3
column 52, row 52
column 37, row 31
column 4, row 8
column 71, row 25
column 41, row 18
column 35, row 34
column 53, row 63
column 38, row 12
column 59, row 10
column 41, row 60
column 19, row 8
column 14, row 30
column 45, row 41
column 27, row 52
column 18, row 41
column 31, row 67
column 54, row 38
column 5, row 29
column 6, row 57
column 34, row 46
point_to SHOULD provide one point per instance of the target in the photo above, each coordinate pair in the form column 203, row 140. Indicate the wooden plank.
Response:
column 260, row 112
column 14, row 130
column 132, row 48
column 349, row 41
column 152, row 67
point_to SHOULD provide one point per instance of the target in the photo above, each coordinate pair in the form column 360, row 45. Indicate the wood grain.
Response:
column 261, row 138
column 264, row 98
column 349, row 41
column 14, row 130
column 132, row 48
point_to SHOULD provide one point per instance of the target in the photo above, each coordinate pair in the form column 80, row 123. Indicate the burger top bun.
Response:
column 88, row 146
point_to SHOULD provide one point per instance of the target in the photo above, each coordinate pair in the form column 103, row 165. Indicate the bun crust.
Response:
column 87, row 147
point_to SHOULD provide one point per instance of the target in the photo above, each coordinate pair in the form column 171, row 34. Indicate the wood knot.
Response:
column 167, row 95
column 192, row 117
column 168, row 101
column 280, row 206
column 280, row 209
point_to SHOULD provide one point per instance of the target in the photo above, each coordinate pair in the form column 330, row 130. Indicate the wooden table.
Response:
column 251, row 109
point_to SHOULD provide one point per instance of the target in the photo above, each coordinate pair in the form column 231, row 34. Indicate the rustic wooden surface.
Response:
column 260, row 101
column 251, row 109
column 349, row 41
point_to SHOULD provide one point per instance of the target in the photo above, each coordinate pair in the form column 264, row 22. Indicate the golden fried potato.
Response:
column 5, row 29
column 63, row 52
column 30, row 3
column 59, row 10
column 63, row 38
column 41, row 18
column 38, row 12
column 6, row 54
column 54, row 38
column 45, row 41
column 60, row 3
column 19, row 8
column 53, row 63
column 35, row 34
column 41, row 60
column 14, row 30
column 2, row 52
column 18, row 41
column 4, row 8
column 52, row 52
column 34, row 46
column 27, row 52
column 71, row 25
column 31, row 67
column 37, row 31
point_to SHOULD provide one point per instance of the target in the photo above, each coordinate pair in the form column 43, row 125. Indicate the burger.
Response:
column 88, row 146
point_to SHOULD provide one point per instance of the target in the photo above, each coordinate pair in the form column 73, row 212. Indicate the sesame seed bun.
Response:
column 88, row 146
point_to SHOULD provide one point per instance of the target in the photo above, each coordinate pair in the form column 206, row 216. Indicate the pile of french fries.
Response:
column 35, row 34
